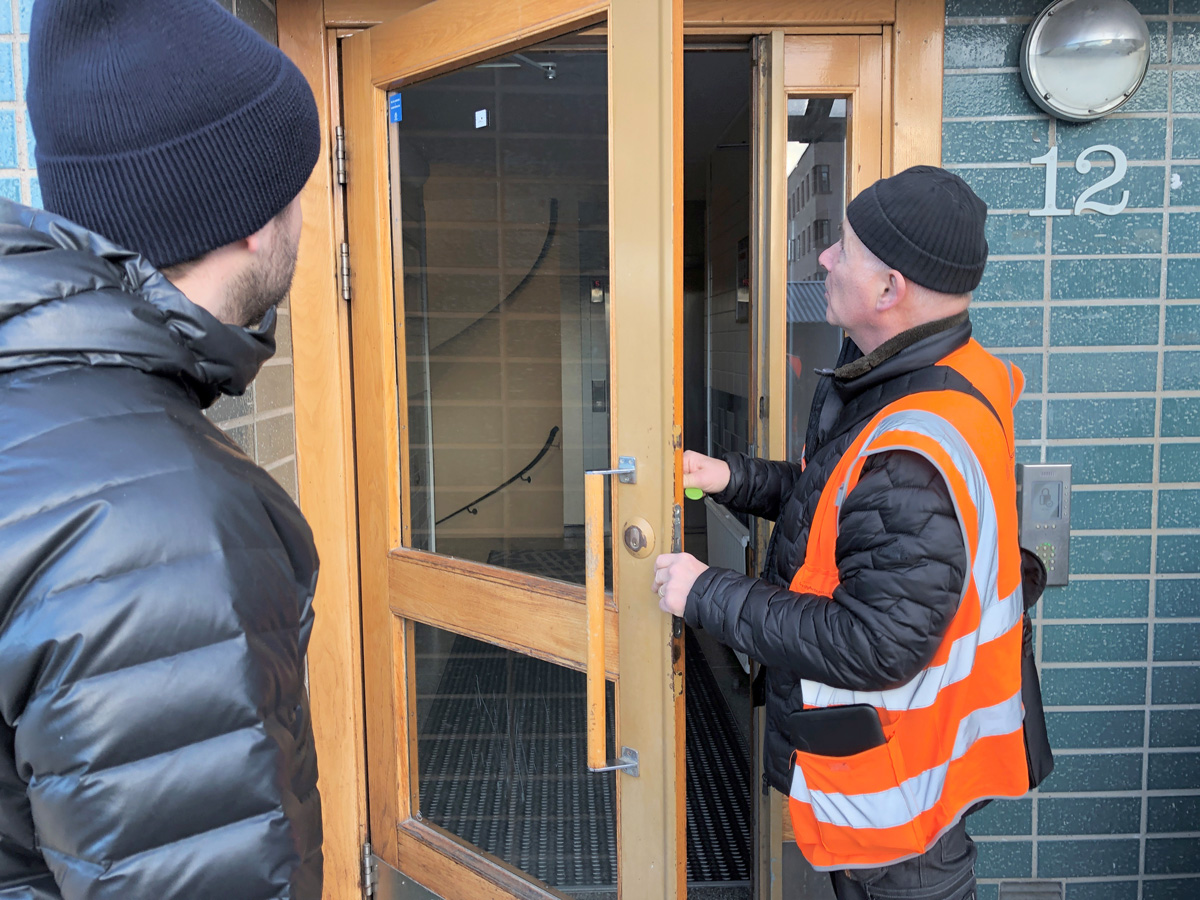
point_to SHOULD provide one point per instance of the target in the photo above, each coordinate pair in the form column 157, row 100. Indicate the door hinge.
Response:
column 370, row 870
column 339, row 154
column 345, row 271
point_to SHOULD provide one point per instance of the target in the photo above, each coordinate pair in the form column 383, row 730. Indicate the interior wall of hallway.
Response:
column 1102, row 313
column 261, row 420
column 728, row 254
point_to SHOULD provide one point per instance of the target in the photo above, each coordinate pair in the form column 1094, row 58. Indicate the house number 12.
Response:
column 1082, row 166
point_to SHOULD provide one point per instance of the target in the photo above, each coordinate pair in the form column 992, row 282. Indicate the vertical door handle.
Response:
column 593, row 531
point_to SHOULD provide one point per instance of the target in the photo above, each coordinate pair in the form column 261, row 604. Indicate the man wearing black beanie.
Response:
column 156, row 586
column 888, row 615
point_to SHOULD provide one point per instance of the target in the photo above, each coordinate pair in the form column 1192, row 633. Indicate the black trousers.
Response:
column 946, row 871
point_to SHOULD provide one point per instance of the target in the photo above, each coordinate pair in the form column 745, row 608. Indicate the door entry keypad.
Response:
column 1044, row 503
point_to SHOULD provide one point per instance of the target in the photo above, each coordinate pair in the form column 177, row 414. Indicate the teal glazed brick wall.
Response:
column 1102, row 313
column 18, row 176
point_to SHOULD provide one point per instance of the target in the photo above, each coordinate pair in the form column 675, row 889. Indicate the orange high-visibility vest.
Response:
column 954, row 732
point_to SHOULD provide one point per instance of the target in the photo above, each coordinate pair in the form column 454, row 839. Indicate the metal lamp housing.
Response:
column 1083, row 59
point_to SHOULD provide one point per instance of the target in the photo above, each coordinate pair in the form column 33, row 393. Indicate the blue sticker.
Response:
column 394, row 111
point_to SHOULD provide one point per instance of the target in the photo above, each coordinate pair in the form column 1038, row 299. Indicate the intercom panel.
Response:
column 1044, row 503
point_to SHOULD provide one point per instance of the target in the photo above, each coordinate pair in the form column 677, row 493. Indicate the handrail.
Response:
column 533, row 462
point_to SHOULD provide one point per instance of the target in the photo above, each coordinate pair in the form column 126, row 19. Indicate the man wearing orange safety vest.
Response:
column 888, row 616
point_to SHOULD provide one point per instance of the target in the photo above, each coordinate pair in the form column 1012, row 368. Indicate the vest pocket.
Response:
column 853, row 810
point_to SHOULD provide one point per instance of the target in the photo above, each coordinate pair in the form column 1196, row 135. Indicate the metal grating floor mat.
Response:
column 502, row 745
column 720, row 824
column 564, row 564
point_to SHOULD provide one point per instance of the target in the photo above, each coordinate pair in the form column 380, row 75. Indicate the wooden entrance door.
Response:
column 820, row 104
column 513, row 220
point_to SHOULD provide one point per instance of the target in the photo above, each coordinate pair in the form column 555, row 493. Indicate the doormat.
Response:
column 503, row 745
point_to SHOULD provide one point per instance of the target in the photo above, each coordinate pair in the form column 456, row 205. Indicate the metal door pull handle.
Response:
column 593, row 530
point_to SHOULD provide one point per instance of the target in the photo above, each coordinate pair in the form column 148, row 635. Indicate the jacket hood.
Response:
column 71, row 297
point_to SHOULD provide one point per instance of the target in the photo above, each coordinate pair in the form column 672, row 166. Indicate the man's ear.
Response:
column 894, row 292
column 258, row 241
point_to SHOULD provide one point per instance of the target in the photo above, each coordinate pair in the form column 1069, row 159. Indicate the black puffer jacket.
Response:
column 155, row 595
column 900, row 551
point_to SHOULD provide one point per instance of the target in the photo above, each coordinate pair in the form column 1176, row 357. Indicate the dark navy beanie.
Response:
column 927, row 224
column 171, row 128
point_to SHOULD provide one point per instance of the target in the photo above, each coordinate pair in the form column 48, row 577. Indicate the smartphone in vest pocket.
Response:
column 835, row 730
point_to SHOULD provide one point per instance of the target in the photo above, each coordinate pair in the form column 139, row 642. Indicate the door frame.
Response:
column 308, row 32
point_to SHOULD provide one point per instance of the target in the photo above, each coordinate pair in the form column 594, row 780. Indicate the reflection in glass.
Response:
column 816, row 205
column 503, row 207
column 502, row 756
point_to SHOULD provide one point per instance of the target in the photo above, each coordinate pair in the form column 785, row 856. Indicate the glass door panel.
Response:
column 501, row 191
column 502, row 743
column 816, row 205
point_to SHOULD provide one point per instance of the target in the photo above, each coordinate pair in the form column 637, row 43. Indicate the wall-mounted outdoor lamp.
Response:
column 1082, row 59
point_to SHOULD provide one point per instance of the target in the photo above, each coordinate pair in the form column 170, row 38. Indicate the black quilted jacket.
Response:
column 900, row 552
column 155, row 596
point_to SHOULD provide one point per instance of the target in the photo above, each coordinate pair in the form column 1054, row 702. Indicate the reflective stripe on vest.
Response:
column 895, row 806
column 954, row 731
column 997, row 614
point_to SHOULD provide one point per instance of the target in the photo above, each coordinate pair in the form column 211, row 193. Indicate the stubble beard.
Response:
column 258, row 290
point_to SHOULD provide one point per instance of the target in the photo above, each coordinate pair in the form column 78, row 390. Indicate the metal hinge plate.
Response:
column 345, row 271
column 627, row 762
column 1031, row 890
column 370, row 870
column 626, row 470
column 339, row 154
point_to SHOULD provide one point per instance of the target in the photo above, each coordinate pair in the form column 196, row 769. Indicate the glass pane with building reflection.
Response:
column 816, row 205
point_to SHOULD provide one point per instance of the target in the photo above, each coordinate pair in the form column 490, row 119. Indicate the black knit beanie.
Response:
column 171, row 128
column 927, row 224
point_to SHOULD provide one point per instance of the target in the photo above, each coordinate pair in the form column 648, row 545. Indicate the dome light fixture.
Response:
column 1083, row 59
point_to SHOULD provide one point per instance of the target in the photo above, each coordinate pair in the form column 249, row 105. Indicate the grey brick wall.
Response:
column 1103, row 315
column 263, row 420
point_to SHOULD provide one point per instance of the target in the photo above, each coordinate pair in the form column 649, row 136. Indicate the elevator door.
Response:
column 512, row 223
